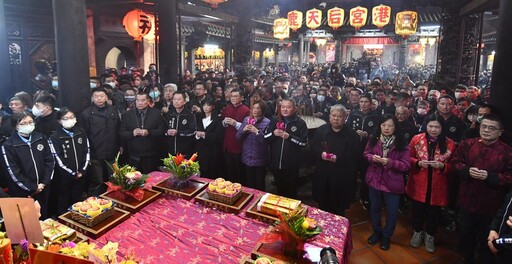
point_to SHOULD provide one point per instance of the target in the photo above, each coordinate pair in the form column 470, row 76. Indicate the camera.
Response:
column 328, row 256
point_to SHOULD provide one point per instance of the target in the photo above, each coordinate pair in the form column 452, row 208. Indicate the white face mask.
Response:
column 320, row 98
column 26, row 129
column 457, row 95
column 36, row 111
column 70, row 123
column 55, row 84
column 93, row 85
column 112, row 84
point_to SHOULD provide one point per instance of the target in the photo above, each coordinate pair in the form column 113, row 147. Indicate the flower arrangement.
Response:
column 104, row 255
column 181, row 168
column 127, row 179
column 294, row 229
column 21, row 253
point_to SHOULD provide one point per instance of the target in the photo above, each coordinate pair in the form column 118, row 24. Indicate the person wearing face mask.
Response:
column 46, row 117
column 422, row 111
column 322, row 105
column 72, row 155
column 129, row 98
column 29, row 161
column 155, row 96
column 116, row 96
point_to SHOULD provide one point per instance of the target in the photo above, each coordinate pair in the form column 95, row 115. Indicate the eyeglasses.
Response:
column 490, row 128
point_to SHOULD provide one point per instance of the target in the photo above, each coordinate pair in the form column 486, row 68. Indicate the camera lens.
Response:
column 328, row 256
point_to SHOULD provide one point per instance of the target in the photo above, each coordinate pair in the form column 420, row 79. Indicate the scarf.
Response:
column 387, row 142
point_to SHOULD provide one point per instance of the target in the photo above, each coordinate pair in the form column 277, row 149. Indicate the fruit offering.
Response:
column 222, row 186
column 92, row 206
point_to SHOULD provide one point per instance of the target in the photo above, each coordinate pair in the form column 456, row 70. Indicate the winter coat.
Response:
column 335, row 181
column 389, row 178
column 185, row 124
column 418, row 177
column 231, row 144
column 286, row 153
column 146, row 146
column 71, row 153
column 28, row 164
column 102, row 127
column 255, row 151
column 209, row 149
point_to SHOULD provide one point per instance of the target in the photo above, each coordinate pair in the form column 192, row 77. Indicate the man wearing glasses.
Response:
column 484, row 167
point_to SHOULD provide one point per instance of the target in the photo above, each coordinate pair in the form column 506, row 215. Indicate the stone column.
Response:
column 5, row 75
column 168, row 44
column 402, row 57
column 500, row 91
column 301, row 50
column 70, row 25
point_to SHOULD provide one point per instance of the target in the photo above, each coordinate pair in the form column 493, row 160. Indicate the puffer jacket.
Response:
column 255, row 151
column 389, row 178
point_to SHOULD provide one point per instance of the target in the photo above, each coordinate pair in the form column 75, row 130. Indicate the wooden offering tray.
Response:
column 98, row 230
column 246, row 260
column 131, row 204
column 244, row 199
column 252, row 212
column 187, row 193
column 274, row 251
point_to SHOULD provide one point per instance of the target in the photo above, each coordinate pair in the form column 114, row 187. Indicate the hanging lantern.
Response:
column 281, row 28
column 150, row 37
column 295, row 20
column 358, row 16
column 137, row 24
column 335, row 17
column 381, row 15
column 214, row 3
column 406, row 23
column 313, row 18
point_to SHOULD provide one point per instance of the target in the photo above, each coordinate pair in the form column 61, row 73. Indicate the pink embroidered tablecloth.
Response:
column 173, row 230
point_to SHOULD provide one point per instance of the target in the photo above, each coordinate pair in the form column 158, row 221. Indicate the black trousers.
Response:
column 145, row 164
column 256, row 177
column 97, row 173
column 235, row 170
column 66, row 190
column 42, row 197
column 286, row 182
column 474, row 230
column 427, row 216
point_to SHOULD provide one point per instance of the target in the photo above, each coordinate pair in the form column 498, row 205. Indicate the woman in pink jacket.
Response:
column 428, row 180
column 388, row 155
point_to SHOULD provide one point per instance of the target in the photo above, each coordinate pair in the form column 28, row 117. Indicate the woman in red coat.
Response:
column 428, row 179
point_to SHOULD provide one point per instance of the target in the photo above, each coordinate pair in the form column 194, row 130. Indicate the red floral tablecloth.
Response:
column 172, row 230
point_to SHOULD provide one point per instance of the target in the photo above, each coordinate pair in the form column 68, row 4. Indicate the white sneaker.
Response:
column 416, row 239
column 429, row 244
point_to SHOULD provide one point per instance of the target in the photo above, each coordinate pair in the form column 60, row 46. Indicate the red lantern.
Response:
column 137, row 24
column 214, row 3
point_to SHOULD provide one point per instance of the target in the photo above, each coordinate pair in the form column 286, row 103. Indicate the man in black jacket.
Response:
column 287, row 136
column 142, row 130
column 101, row 122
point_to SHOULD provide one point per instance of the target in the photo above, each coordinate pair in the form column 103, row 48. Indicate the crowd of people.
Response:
column 384, row 142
